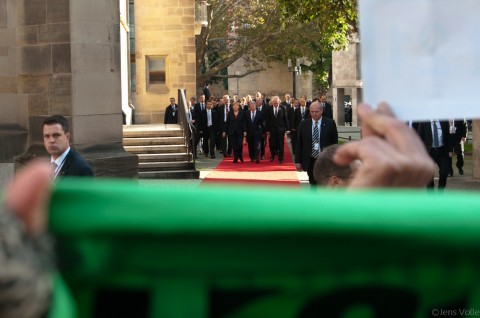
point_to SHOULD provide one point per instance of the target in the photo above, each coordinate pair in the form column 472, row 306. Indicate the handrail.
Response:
column 187, row 127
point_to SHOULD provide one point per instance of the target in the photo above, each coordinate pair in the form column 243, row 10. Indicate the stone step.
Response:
column 175, row 174
column 150, row 141
column 165, row 166
column 156, row 149
column 164, row 157
column 139, row 131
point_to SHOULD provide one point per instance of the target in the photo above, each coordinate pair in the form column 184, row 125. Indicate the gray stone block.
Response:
column 60, row 94
column 32, row 84
column 34, row 60
column 54, row 33
column 31, row 12
column 61, row 58
column 58, row 11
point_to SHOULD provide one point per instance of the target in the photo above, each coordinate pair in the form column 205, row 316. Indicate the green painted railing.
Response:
column 252, row 252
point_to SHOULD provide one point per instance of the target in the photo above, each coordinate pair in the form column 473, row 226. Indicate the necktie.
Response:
column 303, row 112
column 253, row 116
column 203, row 106
column 276, row 111
column 54, row 165
column 209, row 118
column 315, row 139
column 436, row 144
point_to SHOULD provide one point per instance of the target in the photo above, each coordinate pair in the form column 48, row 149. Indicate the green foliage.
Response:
column 262, row 31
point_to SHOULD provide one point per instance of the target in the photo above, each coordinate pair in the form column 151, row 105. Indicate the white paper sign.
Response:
column 422, row 57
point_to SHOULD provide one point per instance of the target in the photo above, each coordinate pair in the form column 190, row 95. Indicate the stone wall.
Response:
column 346, row 80
column 165, row 29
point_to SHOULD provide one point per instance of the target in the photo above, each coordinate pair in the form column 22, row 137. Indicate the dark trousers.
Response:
column 293, row 140
column 277, row 144
column 236, row 141
column 457, row 149
column 209, row 141
column 263, row 143
column 311, row 178
column 254, row 146
column 225, row 146
column 440, row 156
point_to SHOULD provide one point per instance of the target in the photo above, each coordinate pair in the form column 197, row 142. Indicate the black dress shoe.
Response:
column 257, row 161
column 235, row 160
column 241, row 159
column 272, row 158
column 213, row 157
column 263, row 158
column 460, row 171
column 280, row 161
column 224, row 155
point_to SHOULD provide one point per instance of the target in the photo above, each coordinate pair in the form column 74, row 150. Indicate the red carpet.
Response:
column 263, row 173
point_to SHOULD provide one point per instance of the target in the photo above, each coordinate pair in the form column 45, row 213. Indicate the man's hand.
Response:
column 392, row 155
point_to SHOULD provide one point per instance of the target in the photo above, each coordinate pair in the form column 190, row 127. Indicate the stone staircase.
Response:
column 161, row 151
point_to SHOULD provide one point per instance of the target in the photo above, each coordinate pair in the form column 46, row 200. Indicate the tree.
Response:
column 262, row 31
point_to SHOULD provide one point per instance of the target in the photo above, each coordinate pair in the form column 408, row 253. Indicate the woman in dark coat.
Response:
column 235, row 128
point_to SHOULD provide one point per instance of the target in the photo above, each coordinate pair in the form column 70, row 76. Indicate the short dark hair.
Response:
column 325, row 167
column 57, row 119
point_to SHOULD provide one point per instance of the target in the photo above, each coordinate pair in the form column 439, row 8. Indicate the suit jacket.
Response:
column 235, row 125
column 75, row 165
column 221, row 116
column 298, row 116
column 198, row 109
column 204, row 121
column 277, row 124
column 255, row 128
column 327, row 111
column 461, row 130
column 292, row 118
column 328, row 136
column 171, row 117
column 425, row 133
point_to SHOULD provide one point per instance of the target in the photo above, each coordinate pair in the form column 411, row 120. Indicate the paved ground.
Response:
column 206, row 165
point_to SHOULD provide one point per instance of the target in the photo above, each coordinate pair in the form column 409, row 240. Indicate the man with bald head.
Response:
column 313, row 135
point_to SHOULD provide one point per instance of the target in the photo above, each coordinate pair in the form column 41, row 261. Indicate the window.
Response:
column 156, row 70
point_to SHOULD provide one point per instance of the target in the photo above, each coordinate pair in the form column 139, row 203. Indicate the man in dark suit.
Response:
column 277, row 126
column 327, row 107
column 209, row 129
column 64, row 160
column 206, row 90
column 436, row 139
column 223, row 109
column 313, row 135
column 293, row 121
column 263, row 109
column 255, row 130
column 171, row 113
column 458, row 134
column 287, row 103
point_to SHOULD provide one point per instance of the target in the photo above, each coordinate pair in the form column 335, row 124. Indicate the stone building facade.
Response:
column 346, row 81
column 164, row 42
column 62, row 57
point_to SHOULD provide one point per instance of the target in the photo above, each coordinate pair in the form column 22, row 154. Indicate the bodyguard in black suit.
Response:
column 171, row 113
column 255, row 130
column 292, row 121
column 458, row 134
column 65, row 161
column 209, row 129
column 263, row 109
column 439, row 148
column 223, row 110
column 307, row 150
column 277, row 126
column 236, row 129
column 327, row 107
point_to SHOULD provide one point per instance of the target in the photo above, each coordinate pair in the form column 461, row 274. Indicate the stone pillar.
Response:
column 68, row 63
column 13, row 104
column 476, row 149
column 338, row 106
column 356, row 99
